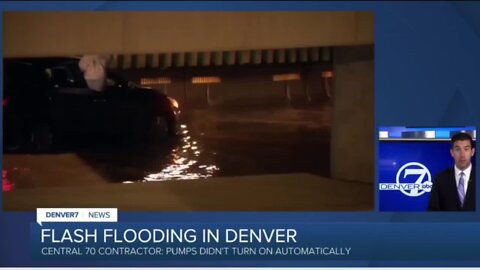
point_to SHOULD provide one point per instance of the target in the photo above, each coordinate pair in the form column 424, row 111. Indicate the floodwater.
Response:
column 212, row 143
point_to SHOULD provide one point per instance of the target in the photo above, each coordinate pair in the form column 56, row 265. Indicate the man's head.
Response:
column 462, row 150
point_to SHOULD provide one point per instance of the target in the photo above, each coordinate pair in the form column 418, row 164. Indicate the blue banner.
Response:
column 353, row 241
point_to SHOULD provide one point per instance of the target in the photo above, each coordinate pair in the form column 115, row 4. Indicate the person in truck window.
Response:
column 94, row 68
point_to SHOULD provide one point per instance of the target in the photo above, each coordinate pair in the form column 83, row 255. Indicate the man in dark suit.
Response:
column 454, row 188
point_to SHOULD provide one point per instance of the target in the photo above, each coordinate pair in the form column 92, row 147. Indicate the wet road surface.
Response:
column 212, row 143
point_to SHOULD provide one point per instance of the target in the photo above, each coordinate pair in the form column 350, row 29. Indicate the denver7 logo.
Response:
column 423, row 182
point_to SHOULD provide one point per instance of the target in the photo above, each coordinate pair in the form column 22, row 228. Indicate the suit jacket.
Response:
column 444, row 194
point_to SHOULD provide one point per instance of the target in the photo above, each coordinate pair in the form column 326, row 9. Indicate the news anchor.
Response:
column 454, row 188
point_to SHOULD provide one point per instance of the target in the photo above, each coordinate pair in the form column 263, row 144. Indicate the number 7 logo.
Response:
column 419, row 187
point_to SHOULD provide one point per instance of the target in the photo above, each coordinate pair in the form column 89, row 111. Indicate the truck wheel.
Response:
column 41, row 138
column 172, row 128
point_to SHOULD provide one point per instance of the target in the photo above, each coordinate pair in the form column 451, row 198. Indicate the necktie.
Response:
column 461, row 188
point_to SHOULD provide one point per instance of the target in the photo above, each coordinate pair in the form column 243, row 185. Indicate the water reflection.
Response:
column 184, row 162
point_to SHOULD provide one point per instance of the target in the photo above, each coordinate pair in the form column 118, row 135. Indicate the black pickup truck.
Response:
column 46, row 100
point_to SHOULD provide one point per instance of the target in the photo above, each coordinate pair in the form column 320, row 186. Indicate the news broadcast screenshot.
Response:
column 235, row 134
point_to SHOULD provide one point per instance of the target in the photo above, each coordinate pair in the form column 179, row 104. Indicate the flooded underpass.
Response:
column 256, row 133
column 211, row 143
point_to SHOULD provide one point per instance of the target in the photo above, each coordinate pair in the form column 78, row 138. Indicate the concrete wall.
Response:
column 67, row 33
column 245, row 87
column 352, row 143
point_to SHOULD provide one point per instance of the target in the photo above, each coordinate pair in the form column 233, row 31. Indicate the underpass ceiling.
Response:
column 191, row 35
